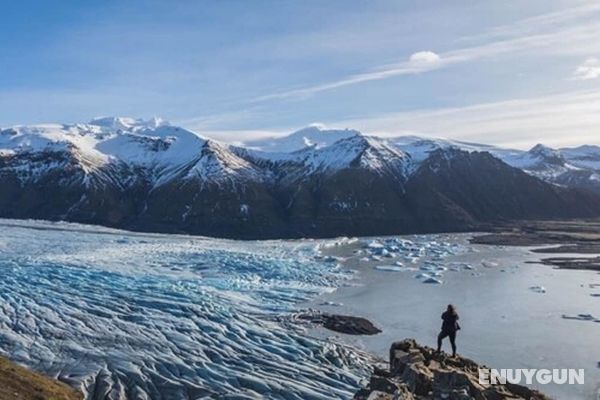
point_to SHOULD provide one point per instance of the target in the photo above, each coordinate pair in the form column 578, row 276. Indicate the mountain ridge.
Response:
column 150, row 175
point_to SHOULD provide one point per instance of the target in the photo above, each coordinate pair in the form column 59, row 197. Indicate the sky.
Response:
column 511, row 73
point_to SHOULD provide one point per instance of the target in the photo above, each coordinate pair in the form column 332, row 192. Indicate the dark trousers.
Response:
column 450, row 334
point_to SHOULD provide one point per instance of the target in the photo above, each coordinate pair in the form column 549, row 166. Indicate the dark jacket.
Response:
column 450, row 323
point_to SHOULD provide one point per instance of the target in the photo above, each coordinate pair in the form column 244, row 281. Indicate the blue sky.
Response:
column 513, row 73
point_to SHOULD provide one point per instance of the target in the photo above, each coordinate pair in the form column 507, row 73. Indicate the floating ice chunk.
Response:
column 581, row 317
column 537, row 289
column 375, row 258
column 489, row 264
column 341, row 242
column 399, row 263
column 375, row 245
column 433, row 281
column 338, row 242
column 331, row 304
column 391, row 268
column 422, row 275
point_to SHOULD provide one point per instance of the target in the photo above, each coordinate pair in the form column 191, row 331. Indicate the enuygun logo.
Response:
column 530, row 376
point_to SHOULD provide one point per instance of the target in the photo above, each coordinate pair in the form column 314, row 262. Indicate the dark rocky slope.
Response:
column 373, row 194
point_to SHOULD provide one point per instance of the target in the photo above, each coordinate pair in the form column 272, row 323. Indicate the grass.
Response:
column 18, row 383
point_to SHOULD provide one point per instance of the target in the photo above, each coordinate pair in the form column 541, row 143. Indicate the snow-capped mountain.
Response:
column 105, row 142
column 583, row 156
column 573, row 167
column 150, row 175
column 576, row 167
column 311, row 136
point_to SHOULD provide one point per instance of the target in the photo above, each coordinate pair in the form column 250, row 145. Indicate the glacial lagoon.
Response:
column 141, row 316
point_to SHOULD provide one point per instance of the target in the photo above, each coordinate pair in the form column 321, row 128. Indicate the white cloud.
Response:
column 424, row 59
column 590, row 69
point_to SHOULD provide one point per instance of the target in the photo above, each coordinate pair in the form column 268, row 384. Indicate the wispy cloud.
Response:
column 590, row 69
column 579, row 39
column 240, row 136
column 418, row 62
column 548, row 20
column 561, row 119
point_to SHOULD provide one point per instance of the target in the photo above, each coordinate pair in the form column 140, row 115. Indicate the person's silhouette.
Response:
column 449, row 328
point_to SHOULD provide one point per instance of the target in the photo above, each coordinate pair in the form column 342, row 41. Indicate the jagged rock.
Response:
column 419, row 373
column 377, row 395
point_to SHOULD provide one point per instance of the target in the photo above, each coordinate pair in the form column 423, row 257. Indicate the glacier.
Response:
column 123, row 315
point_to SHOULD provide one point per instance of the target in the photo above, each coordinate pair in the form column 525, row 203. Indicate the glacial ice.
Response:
column 141, row 316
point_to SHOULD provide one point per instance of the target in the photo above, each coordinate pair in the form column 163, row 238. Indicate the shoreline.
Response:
column 571, row 239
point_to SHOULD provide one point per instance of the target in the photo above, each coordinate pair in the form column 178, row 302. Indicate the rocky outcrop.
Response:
column 419, row 373
column 346, row 324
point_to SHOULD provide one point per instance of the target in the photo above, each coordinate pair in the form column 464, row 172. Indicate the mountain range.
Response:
column 153, row 176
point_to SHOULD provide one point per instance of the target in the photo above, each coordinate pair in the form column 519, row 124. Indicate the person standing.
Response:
column 449, row 328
